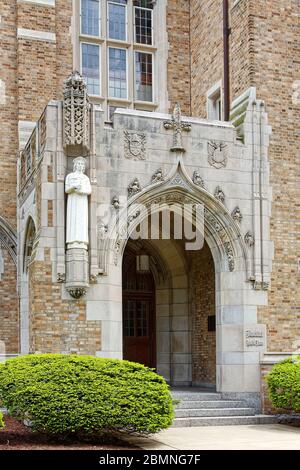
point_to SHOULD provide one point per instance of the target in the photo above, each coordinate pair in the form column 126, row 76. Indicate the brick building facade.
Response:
column 177, row 55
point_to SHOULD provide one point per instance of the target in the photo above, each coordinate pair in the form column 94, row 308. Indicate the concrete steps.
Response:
column 202, row 408
column 206, row 412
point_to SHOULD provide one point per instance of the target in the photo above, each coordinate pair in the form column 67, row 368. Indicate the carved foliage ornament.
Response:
column 219, row 194
column 134, row 187
column 217, row 154
column 135, row 145
column 197, row 179
column 76, row 112
column 158, row 176
column 77, row 292
column 237, row 215
column 223, row 236
column 249, row 239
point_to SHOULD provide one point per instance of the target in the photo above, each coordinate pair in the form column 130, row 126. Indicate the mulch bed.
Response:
column 292, row 419
column 17, row 436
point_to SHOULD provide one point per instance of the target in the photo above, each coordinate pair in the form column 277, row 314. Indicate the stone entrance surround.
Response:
column 144, row 158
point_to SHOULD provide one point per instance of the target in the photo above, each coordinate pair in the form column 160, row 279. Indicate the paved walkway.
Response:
column 252, row 437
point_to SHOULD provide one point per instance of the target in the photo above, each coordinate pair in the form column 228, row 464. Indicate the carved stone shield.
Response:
column 135, row 143
column 217, row 154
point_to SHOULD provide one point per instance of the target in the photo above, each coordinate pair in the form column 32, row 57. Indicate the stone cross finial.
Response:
column 178, row 126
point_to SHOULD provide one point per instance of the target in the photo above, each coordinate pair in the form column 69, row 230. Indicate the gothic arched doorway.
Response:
column 139, row 336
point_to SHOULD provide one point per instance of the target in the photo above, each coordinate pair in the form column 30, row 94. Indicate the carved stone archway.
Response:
column 237, row 364
column 8, row 238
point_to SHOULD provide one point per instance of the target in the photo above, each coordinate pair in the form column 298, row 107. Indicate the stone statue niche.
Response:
column 78, row 188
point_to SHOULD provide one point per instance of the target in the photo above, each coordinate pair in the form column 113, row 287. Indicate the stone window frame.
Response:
column 103, row 99
column 113, row 98
column 134, row 77
column 126, row 19
column 100, row 62
column 214, row 94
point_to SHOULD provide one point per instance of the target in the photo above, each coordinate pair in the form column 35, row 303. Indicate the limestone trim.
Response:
column 36, row 35
column 44, row 3
column 178, row 188
column 8, row 238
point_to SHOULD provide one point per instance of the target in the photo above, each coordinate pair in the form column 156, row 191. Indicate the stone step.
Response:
column 192, row 396
column 207, row 412
column 187, row 404
column 224, row 421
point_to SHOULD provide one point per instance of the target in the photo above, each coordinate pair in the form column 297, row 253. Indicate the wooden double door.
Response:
column 139, row 336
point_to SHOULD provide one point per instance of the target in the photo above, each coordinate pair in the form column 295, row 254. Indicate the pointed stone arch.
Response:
column 8, row 238
column 221, row 231
column 29, row 246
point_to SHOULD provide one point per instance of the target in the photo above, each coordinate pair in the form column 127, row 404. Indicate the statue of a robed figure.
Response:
column 78, row 188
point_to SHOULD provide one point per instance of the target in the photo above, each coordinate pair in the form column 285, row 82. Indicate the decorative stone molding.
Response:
column 76, row 115
column 134, row 145
column 61, row 277
column 158, row 176
column 116, row 202
column 178, row 126
column 217, row 154
column 134, row 187
column 131, row 218
column 219, row 194
column 249, row 239
column 1, row 262
column 93, row 279
column 209, row 217
column 261, row 285
column 197, row 179
column 77, row 271
column 77, row 292
column 230, row 255
column 102, row 230
column 237, row 215
column 8, row 239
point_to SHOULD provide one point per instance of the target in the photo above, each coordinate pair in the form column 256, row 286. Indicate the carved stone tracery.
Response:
column 76, row 113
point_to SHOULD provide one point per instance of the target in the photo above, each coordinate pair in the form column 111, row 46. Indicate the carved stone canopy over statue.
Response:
column 78, row 188
column 178, row 126
column 76, row 115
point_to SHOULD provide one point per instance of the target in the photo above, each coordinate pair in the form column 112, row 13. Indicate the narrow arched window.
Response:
column 29, row 243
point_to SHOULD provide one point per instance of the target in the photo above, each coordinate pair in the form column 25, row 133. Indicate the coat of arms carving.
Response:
column 135, row 145
column 217, row 154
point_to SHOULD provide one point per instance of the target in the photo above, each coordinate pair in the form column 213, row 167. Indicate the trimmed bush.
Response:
column 64, row 394
column 284, row 384
column 1, row 421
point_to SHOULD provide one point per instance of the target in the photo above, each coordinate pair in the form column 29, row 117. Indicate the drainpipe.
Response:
column 226, row 33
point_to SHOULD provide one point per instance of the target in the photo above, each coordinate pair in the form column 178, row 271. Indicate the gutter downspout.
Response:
column 226, row 34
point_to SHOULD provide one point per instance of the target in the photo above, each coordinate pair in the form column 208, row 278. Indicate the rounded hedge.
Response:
column 284, row 384
column 63, row 394
column 1, row 421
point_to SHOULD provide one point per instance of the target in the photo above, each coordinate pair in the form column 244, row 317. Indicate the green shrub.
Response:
column 63, row 394
column 1, row 421
column 284, row 384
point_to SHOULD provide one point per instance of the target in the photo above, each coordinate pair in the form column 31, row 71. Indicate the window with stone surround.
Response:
column 214, row 103
column 117, row 52
column 90, row 66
